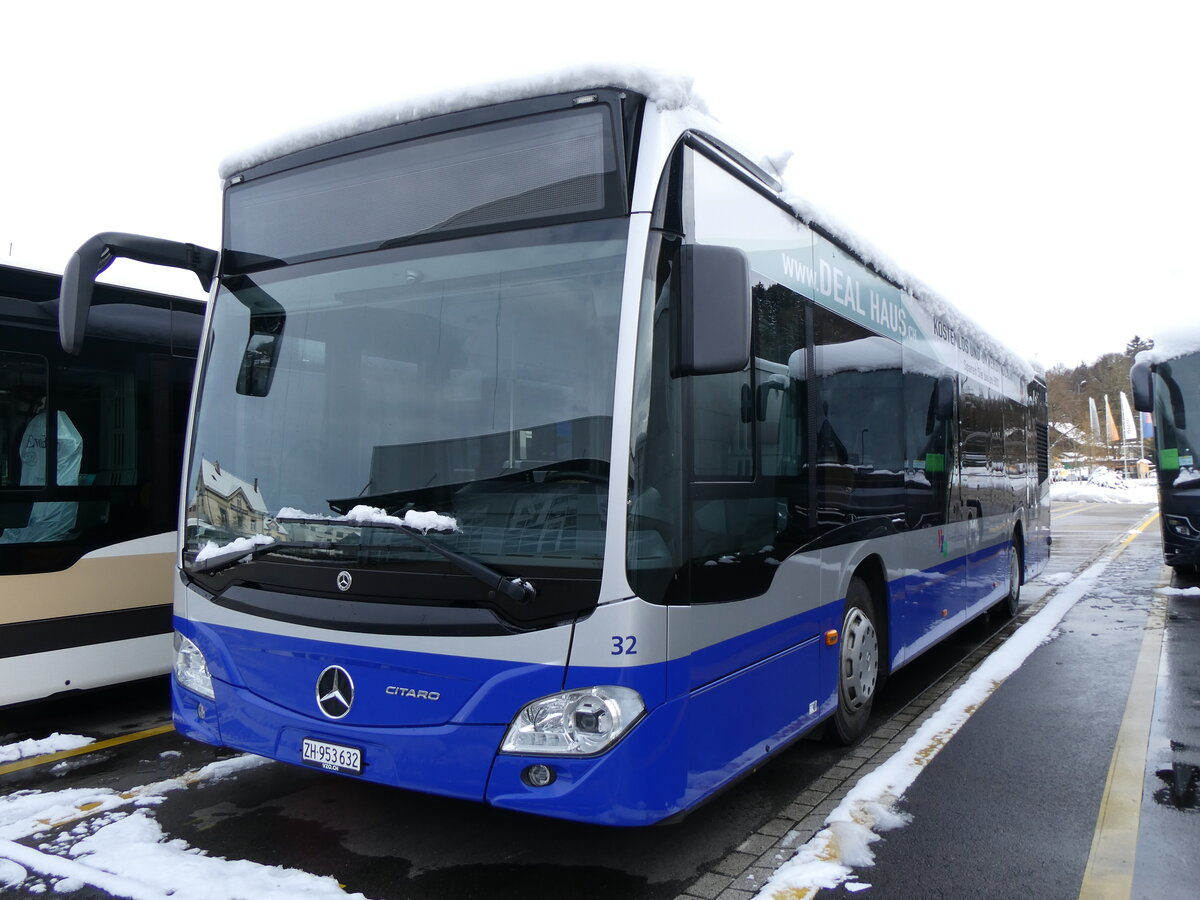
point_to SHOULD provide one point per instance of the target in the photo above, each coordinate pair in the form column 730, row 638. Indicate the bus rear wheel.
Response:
column 858, row 665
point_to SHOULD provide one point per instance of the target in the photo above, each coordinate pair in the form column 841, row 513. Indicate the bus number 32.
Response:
column 624, row 646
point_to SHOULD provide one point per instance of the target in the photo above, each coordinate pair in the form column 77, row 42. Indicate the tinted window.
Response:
column 525, row 171
column 108, row 470
column 749, row 506
column 860, row 438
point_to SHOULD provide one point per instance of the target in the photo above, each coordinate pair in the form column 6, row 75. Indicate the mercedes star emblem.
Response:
column 335, row 692
column 344, row 581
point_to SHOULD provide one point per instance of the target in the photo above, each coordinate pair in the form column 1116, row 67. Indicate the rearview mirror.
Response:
column 259, row 359
column 714, row 320
column 1141, row 380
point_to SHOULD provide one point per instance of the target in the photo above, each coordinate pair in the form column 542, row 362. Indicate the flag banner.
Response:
column 1128, row 426
column 1110, row 426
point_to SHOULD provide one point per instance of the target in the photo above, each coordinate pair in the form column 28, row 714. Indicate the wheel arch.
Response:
column 872, row 571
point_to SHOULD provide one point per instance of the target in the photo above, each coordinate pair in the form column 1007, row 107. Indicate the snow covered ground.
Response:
column 42, row 746
column 110, row 839
column 1107, row 490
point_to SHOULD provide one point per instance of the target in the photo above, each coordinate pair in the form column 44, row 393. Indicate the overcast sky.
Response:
column 1037, row 163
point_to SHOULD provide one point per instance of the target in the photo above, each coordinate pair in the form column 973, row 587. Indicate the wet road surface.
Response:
column 1026, row 798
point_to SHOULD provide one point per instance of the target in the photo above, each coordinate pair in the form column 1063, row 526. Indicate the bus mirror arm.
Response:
column 1141, row 382
column 98, row 252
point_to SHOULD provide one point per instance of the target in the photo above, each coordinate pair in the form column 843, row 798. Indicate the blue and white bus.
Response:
column 545, row 455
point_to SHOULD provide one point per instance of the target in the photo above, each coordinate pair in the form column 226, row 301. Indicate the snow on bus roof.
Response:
column 1182, row 340
column 667, row 90
column 670, row 92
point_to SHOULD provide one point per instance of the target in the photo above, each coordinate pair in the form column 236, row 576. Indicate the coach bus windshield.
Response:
column 472, row 378
column 1177, row 421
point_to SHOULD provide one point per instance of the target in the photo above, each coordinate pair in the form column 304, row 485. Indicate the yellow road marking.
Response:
column 48, row 758
column 1109, row 871
column 1135, row 532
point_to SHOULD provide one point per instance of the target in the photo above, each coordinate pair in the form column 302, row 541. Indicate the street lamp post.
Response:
column 1079, row 393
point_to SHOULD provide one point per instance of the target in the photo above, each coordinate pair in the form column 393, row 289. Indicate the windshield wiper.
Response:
column 225, row 558
column 517, row 590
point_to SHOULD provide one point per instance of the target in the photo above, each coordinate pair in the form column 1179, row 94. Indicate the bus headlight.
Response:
column 191, row 671
column 574, row 723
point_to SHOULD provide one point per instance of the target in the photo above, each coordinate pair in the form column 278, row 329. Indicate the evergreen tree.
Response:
column 1137, row 345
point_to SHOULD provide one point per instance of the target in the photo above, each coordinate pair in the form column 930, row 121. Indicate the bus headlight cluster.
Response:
column 191, row 670
column 574, row 723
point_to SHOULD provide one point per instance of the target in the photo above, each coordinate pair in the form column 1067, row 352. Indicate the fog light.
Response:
column 538, row 776
column 1181, row 526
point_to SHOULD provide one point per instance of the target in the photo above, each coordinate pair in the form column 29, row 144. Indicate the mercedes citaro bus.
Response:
column 548, row 453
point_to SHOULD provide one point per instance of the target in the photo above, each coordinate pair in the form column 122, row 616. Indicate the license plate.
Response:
column 334, row 757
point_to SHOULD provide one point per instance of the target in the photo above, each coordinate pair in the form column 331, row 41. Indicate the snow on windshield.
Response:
column 423, row 522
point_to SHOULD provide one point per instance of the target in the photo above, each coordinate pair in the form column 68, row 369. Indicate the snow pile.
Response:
column 1179, row 592
column 56, row 743
column 246, row 544
column 103, row 843
column 423, row 522
column 829, row 857
column 420, row 521
column 1086, row 492
column 1107, row 478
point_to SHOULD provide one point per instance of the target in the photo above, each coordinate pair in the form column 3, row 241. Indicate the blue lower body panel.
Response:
column 453, row 760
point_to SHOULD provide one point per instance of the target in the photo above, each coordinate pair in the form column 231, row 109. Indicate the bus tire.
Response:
column 858, row 665
column 1008, row 607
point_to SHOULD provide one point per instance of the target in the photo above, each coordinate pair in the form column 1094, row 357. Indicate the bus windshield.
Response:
column 1177, row 420
column 473, row 378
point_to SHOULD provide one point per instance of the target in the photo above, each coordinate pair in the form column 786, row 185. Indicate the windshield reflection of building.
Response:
column 225, row 506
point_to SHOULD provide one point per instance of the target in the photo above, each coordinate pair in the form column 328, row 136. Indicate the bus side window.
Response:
column 748, row 504
column 859, row 421
column 929, row 451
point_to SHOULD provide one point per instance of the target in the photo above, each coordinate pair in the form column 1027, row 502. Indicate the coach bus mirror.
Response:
column 715, row 313
column 97, row 253
column 945, row 399
column 1141, row 380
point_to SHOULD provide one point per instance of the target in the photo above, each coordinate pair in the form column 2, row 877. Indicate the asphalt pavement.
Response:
column 1078, row 776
